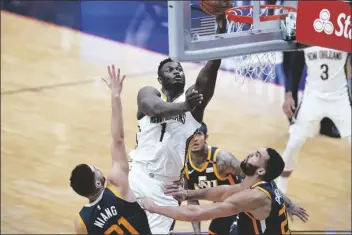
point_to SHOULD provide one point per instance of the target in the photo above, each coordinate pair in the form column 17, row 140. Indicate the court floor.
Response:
column 55, row 115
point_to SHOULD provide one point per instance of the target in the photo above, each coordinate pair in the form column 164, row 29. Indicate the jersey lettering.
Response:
column 325, row 72
column 109, row 212
column 278, row 196
column 204, row 183
column 180, row 118
column 326, row 75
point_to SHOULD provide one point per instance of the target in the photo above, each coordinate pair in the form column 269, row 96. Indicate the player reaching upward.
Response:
column 326, row 95
column 257, row 200
column 167, row 118
column 206, row 167
column 112, row 209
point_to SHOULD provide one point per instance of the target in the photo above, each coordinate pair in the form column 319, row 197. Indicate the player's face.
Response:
column 255, row 162
column 199, row 140
column 172, row 76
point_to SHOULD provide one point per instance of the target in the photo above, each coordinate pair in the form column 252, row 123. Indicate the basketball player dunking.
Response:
column 257, row 200
column 167, row 118
column 112, row 209
column 326, row 95
column 206, row 167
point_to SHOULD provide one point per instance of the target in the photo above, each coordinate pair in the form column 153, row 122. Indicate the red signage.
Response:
column 325, row 23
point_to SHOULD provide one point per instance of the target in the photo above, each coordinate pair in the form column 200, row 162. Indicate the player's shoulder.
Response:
column 221, row 154
column 147, row 90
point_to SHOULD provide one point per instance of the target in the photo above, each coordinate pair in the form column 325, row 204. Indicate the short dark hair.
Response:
column 82, row 180
column 203, row 128
column 274, row 165
column 165, row 61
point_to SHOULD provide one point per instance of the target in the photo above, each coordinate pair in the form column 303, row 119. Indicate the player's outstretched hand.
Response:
column 298, row 211
column 193, row 99
column 115, row 80
column 147, row 203
column 176, row 191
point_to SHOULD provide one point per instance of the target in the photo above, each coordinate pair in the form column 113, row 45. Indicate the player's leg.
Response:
column 305, row 124
column 144, row 184
column 340, row 113
column 221, row 225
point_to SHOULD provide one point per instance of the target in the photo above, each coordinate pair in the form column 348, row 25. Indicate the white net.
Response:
column 253, row 66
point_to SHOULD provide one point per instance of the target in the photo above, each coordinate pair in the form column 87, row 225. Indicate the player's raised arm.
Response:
column 244, row 201
column 118, row 175
column 206, row 80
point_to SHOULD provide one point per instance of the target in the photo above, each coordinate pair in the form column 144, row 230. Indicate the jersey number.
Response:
column 285, row 222
column 163, row 128
column 117, row 227
column 325, row 72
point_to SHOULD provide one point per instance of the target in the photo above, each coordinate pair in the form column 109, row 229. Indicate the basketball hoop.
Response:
column 235, row 14
column 241, row 19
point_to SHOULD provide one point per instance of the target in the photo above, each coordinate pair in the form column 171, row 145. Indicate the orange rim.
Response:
column 249, row 19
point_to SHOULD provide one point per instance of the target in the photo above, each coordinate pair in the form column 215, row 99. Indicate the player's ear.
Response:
column 98, row 184
column 261, row 171
column 206, row 137
column 160, row 80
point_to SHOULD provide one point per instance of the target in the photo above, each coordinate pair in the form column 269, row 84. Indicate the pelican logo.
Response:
column 324, row 23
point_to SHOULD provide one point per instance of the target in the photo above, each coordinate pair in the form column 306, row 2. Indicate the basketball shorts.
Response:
column 147, row 184
column 222, row 225
column 313, row 109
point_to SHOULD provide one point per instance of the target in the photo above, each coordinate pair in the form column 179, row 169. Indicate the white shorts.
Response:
column 313, row 109
column 147, row 184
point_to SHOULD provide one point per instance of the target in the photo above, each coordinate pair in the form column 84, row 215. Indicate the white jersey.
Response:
column 326, row 72
column 162, row 142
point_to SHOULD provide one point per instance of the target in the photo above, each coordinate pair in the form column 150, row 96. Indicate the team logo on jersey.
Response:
column 323, row 23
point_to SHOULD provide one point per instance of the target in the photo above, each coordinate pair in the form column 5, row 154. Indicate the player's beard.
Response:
column 248, row 169
column 175, row 88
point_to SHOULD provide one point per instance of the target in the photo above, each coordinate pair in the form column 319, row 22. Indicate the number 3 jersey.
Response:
column 161, row 142
column 275, row 224
column 110, row 214
column 207, row 176
column 327, row 71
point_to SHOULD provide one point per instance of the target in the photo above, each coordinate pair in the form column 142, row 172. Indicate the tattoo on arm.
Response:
column 287, row 200
column 226, row 162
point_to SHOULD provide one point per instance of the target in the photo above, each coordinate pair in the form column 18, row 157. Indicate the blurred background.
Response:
column 140, row 23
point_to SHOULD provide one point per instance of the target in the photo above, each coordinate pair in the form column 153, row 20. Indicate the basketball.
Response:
column 215, row 7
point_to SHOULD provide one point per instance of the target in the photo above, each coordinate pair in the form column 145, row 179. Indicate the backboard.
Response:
column 192, row 37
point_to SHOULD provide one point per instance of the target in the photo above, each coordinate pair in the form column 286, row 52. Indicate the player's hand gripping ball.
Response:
column 215, row 7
